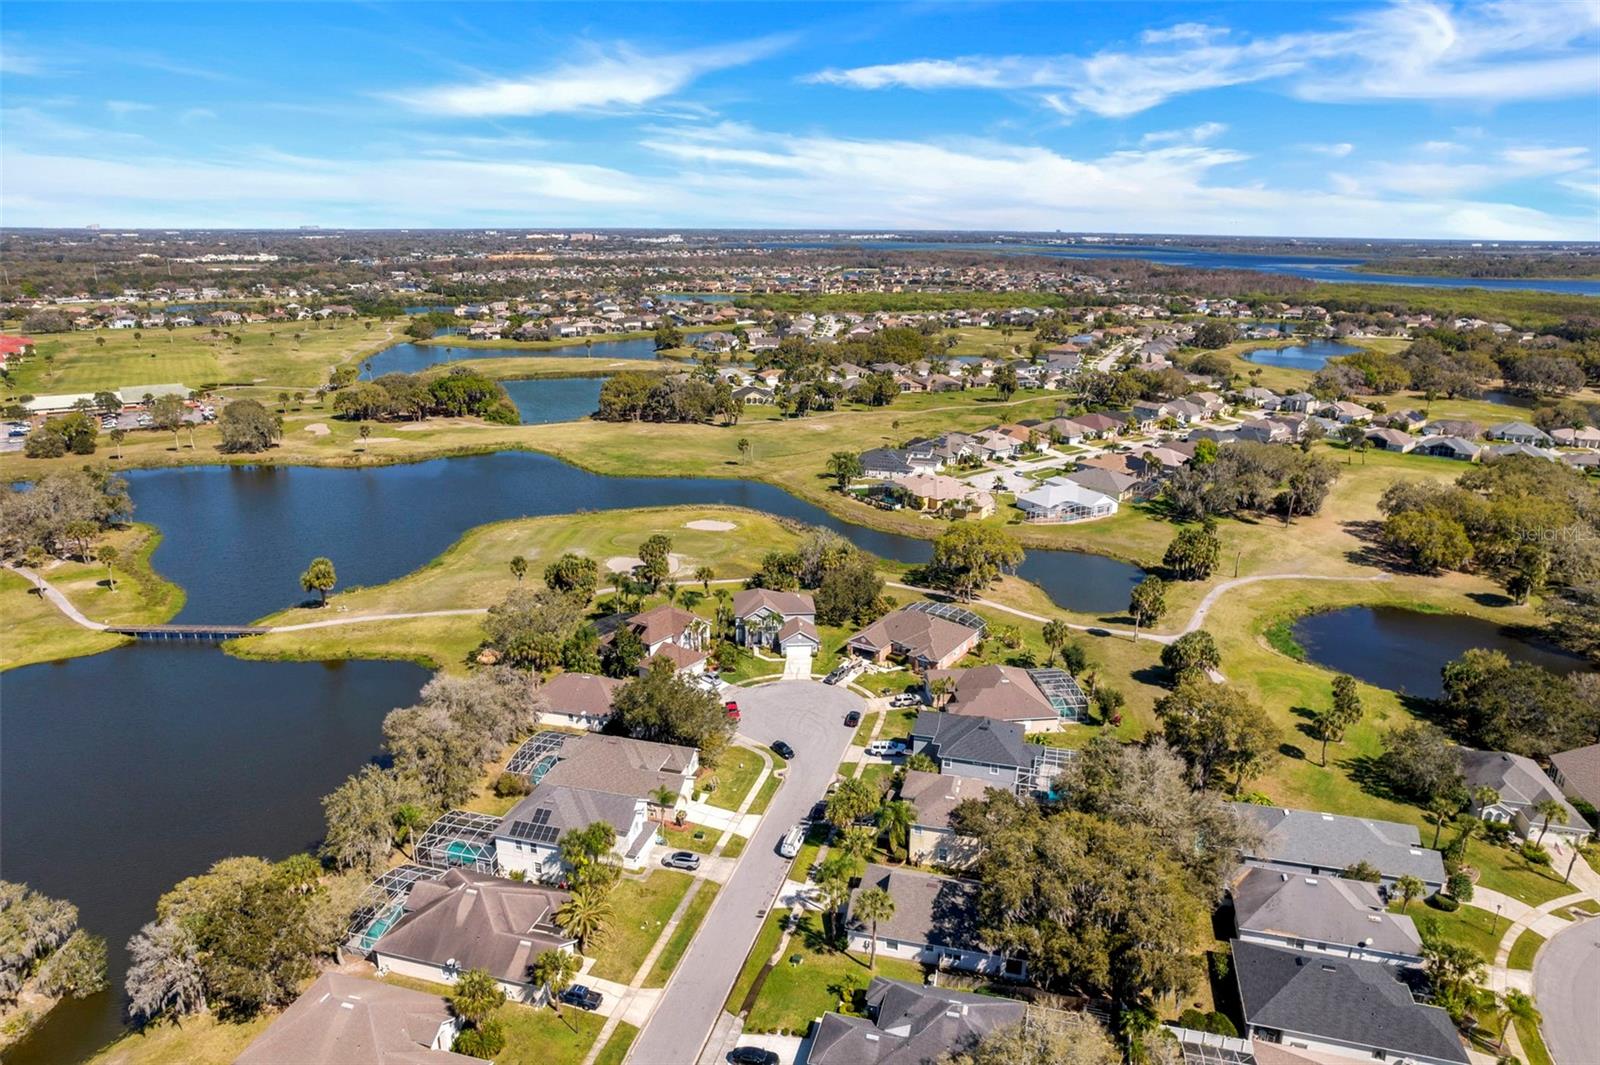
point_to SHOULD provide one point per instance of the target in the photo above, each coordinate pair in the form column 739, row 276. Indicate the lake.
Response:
column 237, row 538
column 124, row 772
column 1311, row 267
column 412, row 358
column 555, row 399
column 1403, row 650
column 1307, row 355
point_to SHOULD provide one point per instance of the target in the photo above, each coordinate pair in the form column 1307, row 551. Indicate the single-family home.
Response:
column 1060, row 500
column 468, row 920
column 896, row 463
column 1298, row 402
column 992, row 752
column 1586, row 436
column 1467, row 430
column 1322, row 844
column 933, row 796
column 934, row 492
column 1447, row 447
column 1321, row 915
column 1577, row 773
column 1341, row 1006
column 1119, row 486
column 1009, row 693
column 1519, row 433
column 527, row 840
column 680, row 636
column 1347, row 413
column 922, row 638
column 580, row 699
column 349, row 1020
column 908, row 1023
column 935, row 923
column 763, row 616
column 1391, row 439
column 1520, row 786
column 1100, row 426
column 1263, row 398
column 1261, row 430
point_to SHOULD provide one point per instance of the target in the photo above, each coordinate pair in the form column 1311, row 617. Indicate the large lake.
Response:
column 124, row 772
column 555, row 399
column 1310, row 267
column 1307, row 355
column 412, row 358
column 1404, row 650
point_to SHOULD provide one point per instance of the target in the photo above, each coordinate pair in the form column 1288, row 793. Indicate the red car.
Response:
column 732, row 710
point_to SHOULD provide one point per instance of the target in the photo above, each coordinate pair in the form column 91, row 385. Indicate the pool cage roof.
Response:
column 382, row 900
column 951, row 612
column 459, row 837
column 1048, row 764
column 537, row 755
column 1208, row 1048
column 1058, row 686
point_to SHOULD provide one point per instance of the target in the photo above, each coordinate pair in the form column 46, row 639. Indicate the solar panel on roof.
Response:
column 536, row 831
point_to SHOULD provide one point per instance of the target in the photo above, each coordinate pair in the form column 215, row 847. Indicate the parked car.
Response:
column 731, row 708
column 819, row 810
column 585, row 998
column 753, row 1056
column 905, row 699
column 789, row 845
column 852, row 719
column 686, row 860
column 782, row 749
column 886, row 748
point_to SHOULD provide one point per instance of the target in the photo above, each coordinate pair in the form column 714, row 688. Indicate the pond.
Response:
column 1404, row 650
column 1307, row 355
column 412, row 358
column 237, row 538
column 124, row 772
column 555, row 399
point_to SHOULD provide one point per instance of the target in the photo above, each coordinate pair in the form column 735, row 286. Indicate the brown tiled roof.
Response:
column 923, row 635
column 750, row 600
column 1004, row 693
column 661, row 623
column 936, row 794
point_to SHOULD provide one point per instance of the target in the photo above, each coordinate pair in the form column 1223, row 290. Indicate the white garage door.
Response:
column 797, row 662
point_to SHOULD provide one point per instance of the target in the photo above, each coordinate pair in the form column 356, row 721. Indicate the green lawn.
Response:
column 534, row 1035
column 198, row 1040
column 737, row 772
column 616, row 1047
column 766, row 942
column 735, row 846
column 1504, row 870
column 1469, row 926
column 667, row 960
column 878, row 774
column 1523, row 950
column 1533, row 1044
column 864, row 730
column 683, row 839
column 763, row 798
column 642, row 911
column 824, row 979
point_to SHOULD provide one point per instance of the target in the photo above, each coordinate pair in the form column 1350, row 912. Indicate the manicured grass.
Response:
column 616, row 1047
column 534, row 1035
column 642, row 911
column 878, row 774
column 735, row 774
column 674, row 950
column 1532, row 1041
column 864, row 730
column 1504, row 870
column 37, row 632
column 683, row 839
column 763, row 799
column 1523, row 950
column 198, row 1040
column 825, row 979
column 1469, row 926
column 897, row 726
column 766, row 942
column 735, row 846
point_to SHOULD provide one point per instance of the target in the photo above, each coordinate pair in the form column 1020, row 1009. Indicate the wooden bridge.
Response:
column 187, row 632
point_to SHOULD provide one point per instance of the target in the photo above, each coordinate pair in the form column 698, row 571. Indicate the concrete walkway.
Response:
column 61, row 602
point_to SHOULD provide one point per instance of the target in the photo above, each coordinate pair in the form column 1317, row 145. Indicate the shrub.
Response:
column 1533, row 854
column 1459, row 886
column 481, row 1041
column 509, row 784
column 1444, row 903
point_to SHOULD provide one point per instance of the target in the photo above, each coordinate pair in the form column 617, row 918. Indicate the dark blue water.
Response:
column 437, row 308
column 238, row 538
column 1403, row 650
column 412, row 358
column 555, row 399
column 1309, row 355
column 1310, row 267
column 124, row 772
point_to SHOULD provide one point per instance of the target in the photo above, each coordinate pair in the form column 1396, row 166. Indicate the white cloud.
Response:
column 127, row 107
column 1205, row 131
column 1337, row 150
column 615, row 78
column 1409, row 50
column 20, row 63
column 1426, row 173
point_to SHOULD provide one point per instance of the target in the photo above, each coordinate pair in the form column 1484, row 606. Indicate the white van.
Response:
column 789, row 846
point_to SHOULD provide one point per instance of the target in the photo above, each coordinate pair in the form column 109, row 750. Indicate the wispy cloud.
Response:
column 127, row 107
column 1337, row 150
column 13, row 61
column 619, row 77
column 1205, row 131
column 1426, row 51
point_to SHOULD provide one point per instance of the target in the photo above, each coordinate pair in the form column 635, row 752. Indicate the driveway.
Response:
column 1565, row 977
column 808, row 715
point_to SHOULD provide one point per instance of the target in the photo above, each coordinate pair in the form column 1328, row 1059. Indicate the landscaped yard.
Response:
column 616, row 1047
column 864, row 730
column 1533, row 1043
column 1523, row 950
column 1504, row 870
column 735, row 773
column 535, row 1035
column 199, row 1040
column 642, row 910
column 667, row 960
column 684, row 839
column 824, row 979
column 735, row 846
column 1469, row 926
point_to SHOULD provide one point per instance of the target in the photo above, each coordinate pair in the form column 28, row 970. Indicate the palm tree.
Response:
column 744, row 449
column 1516, row 1006
column 117, row 437
column 665, row 799
column 857, row 843
column 1409, row 888
column 874, row 905
column 1442, row 809
column 895, row 819
column 1056, row 635
column 1484, row 797
column 408, row 817
column 554, row 969
column 585, row 915
column 108, row 555
column 476, row 996
column 705, row 575
column 1548, row 809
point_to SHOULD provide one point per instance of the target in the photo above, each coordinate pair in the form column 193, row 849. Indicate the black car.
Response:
column 752, row 1056
column 783, row 749
column 852, row 719
column 586, row 998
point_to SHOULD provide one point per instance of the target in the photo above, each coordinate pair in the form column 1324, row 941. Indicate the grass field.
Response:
column 1469, row 926
column 1524, row 949
column 534, row 1035
column 643, row 908
column 823, row 979
column 198, row 1040
column 675, row 947
column 735, row 774
column 1533, row 1044
column 616, row 1047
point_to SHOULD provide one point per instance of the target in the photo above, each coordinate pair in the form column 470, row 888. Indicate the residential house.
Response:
column 757, row 394
column 1261, row 430
column 680, row 636
column 761, row 617
column 1321, row 915
column 1101, row 426
column 1009, row 693
column 1347, row 413
column 1519, row 433
column 348, row 1020
column 1391, row 439
column 933, row 492
column 467, row 920
column 527, row 840
column 1061, row 500
column 1264, row 398
column 933, row 796
column 1119, row 486
column 1297, row 402
column 896, row 463
column 907, row 1024
column 1452, row 427
column 1405, row 420
column 580, row 699
column 1586, row 437
column 922, row 639
column 1577, row 773
column 1339, row 1005
column 1521, row 786
column 1500, row 451
column 1321, row 844
column 1447, row 447
column 993, row 752
column 935, row 923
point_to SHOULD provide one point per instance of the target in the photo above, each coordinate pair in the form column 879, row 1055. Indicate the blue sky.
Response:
column 1347, row 119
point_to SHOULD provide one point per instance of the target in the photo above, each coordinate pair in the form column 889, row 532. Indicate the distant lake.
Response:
column 412, row 358
column 1403, row 650
column 437, row 308
column 693, row 297
column 1307, row 355
column 555, row 399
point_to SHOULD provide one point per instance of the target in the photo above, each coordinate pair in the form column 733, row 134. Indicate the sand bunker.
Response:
column 710, row 525
column 317, row 429
column 626, row 563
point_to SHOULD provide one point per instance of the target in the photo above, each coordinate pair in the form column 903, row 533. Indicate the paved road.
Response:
column 1566, row 986
column 810, row 716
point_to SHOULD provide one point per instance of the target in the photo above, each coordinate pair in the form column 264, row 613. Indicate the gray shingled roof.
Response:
column 1580, row 771
column 480, row 921
column 1333, row 842
column 573, row 808
column 910, row 1025
column 1324, row 909
column 938, row 911
column 972, row 739
column 934, row 795
column 1518, row 778
column 1354, row 1002
column 620, row 765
